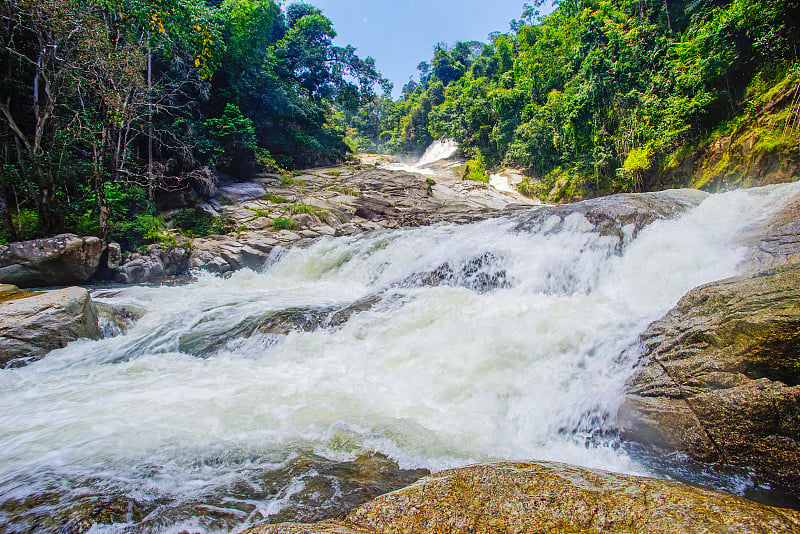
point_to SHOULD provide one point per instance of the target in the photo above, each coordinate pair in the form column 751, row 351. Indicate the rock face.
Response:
column 56, row 261
column 776, row 241
column 616, row 214
column 548, row 497
column 336, row 201
column 720, row 374
column 31, row 327
column 156, row 263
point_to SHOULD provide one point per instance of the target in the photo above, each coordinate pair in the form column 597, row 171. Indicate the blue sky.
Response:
column 401, row 33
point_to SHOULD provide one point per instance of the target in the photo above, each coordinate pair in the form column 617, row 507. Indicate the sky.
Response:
column 400, row 34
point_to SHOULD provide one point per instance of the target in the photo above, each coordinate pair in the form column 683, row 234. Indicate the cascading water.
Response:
column 437, row 151
column 468, row 344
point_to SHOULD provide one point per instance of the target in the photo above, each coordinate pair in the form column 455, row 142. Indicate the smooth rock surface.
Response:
column 719, row 377
column 549, row 497
column 33, row 326
column 776, row 241
column 64, row 259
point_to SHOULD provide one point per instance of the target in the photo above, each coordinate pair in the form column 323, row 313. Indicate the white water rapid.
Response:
column 437, row 151
column 193, row 421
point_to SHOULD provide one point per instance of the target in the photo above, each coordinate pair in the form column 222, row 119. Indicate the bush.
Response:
column 195, row 222
column 284, row 224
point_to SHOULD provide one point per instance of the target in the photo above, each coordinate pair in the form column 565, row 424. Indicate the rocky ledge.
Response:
column 61, row 260
column 719, row 377
column 33, row 324
column 548, row 497
column 336, row 201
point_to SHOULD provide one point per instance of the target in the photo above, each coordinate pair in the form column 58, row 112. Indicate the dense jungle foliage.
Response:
column 599, row 96
column 110, row 107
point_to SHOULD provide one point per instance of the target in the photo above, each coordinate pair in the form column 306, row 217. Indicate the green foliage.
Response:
column 233, row 138
column 475, row 169
column 153, row 93
column 598, row 97
column 194, row 222
column 302, row 208
column 284, row 224
column 276, row 199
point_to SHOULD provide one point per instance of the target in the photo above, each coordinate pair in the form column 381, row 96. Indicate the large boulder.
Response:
column 548, row 497
column 61, row 260
column 719, row 377
column 36, row 323
column 623, row 215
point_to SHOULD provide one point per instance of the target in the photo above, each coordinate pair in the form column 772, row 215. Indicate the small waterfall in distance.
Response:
column 437, row 151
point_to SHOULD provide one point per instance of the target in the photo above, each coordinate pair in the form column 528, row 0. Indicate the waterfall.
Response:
column 437, row 151
column 434, row 347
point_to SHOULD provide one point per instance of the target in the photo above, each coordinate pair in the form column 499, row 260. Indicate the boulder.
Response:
column 719, row 376
column 31, row 327
column 549, row 497
column 623, row 215
column 56, row 261
column 156, row 263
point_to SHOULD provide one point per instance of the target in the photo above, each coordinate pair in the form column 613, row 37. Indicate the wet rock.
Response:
column 287, row 321
column 33, row 326
column 64, row 259
column 549, row 497
column 720, row 374
column 115, row 320
column 622, row 215
column 776, row 241
column 481, row 274
column 309, row 320
column 222, row 254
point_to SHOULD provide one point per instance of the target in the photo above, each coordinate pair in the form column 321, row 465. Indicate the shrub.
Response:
column 284, row 224
column 195, row 222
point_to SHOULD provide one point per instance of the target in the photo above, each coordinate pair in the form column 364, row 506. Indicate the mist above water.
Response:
column 478, row 343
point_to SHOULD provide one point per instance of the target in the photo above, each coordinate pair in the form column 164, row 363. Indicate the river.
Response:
column 475, row 343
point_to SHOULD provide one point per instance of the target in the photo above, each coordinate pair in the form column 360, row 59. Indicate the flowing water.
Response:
column 468, row 344
column 437, row 151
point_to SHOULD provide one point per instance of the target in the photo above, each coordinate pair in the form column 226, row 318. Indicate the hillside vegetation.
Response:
column 605, row 96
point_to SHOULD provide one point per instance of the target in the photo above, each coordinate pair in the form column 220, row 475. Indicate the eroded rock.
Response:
column 623, row 215
column 719, row 377
column 33, row 326
column 549, row 497
column 64, row 259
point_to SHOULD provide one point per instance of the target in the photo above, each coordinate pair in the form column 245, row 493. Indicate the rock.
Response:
column 156, row 263
column 776, row 241
column 114, row 255
column 719, row 377
column 222, row 254
column 56, row 261
column 549, row 497
column 33, row 326
column 623, row 215
column 309, row 320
